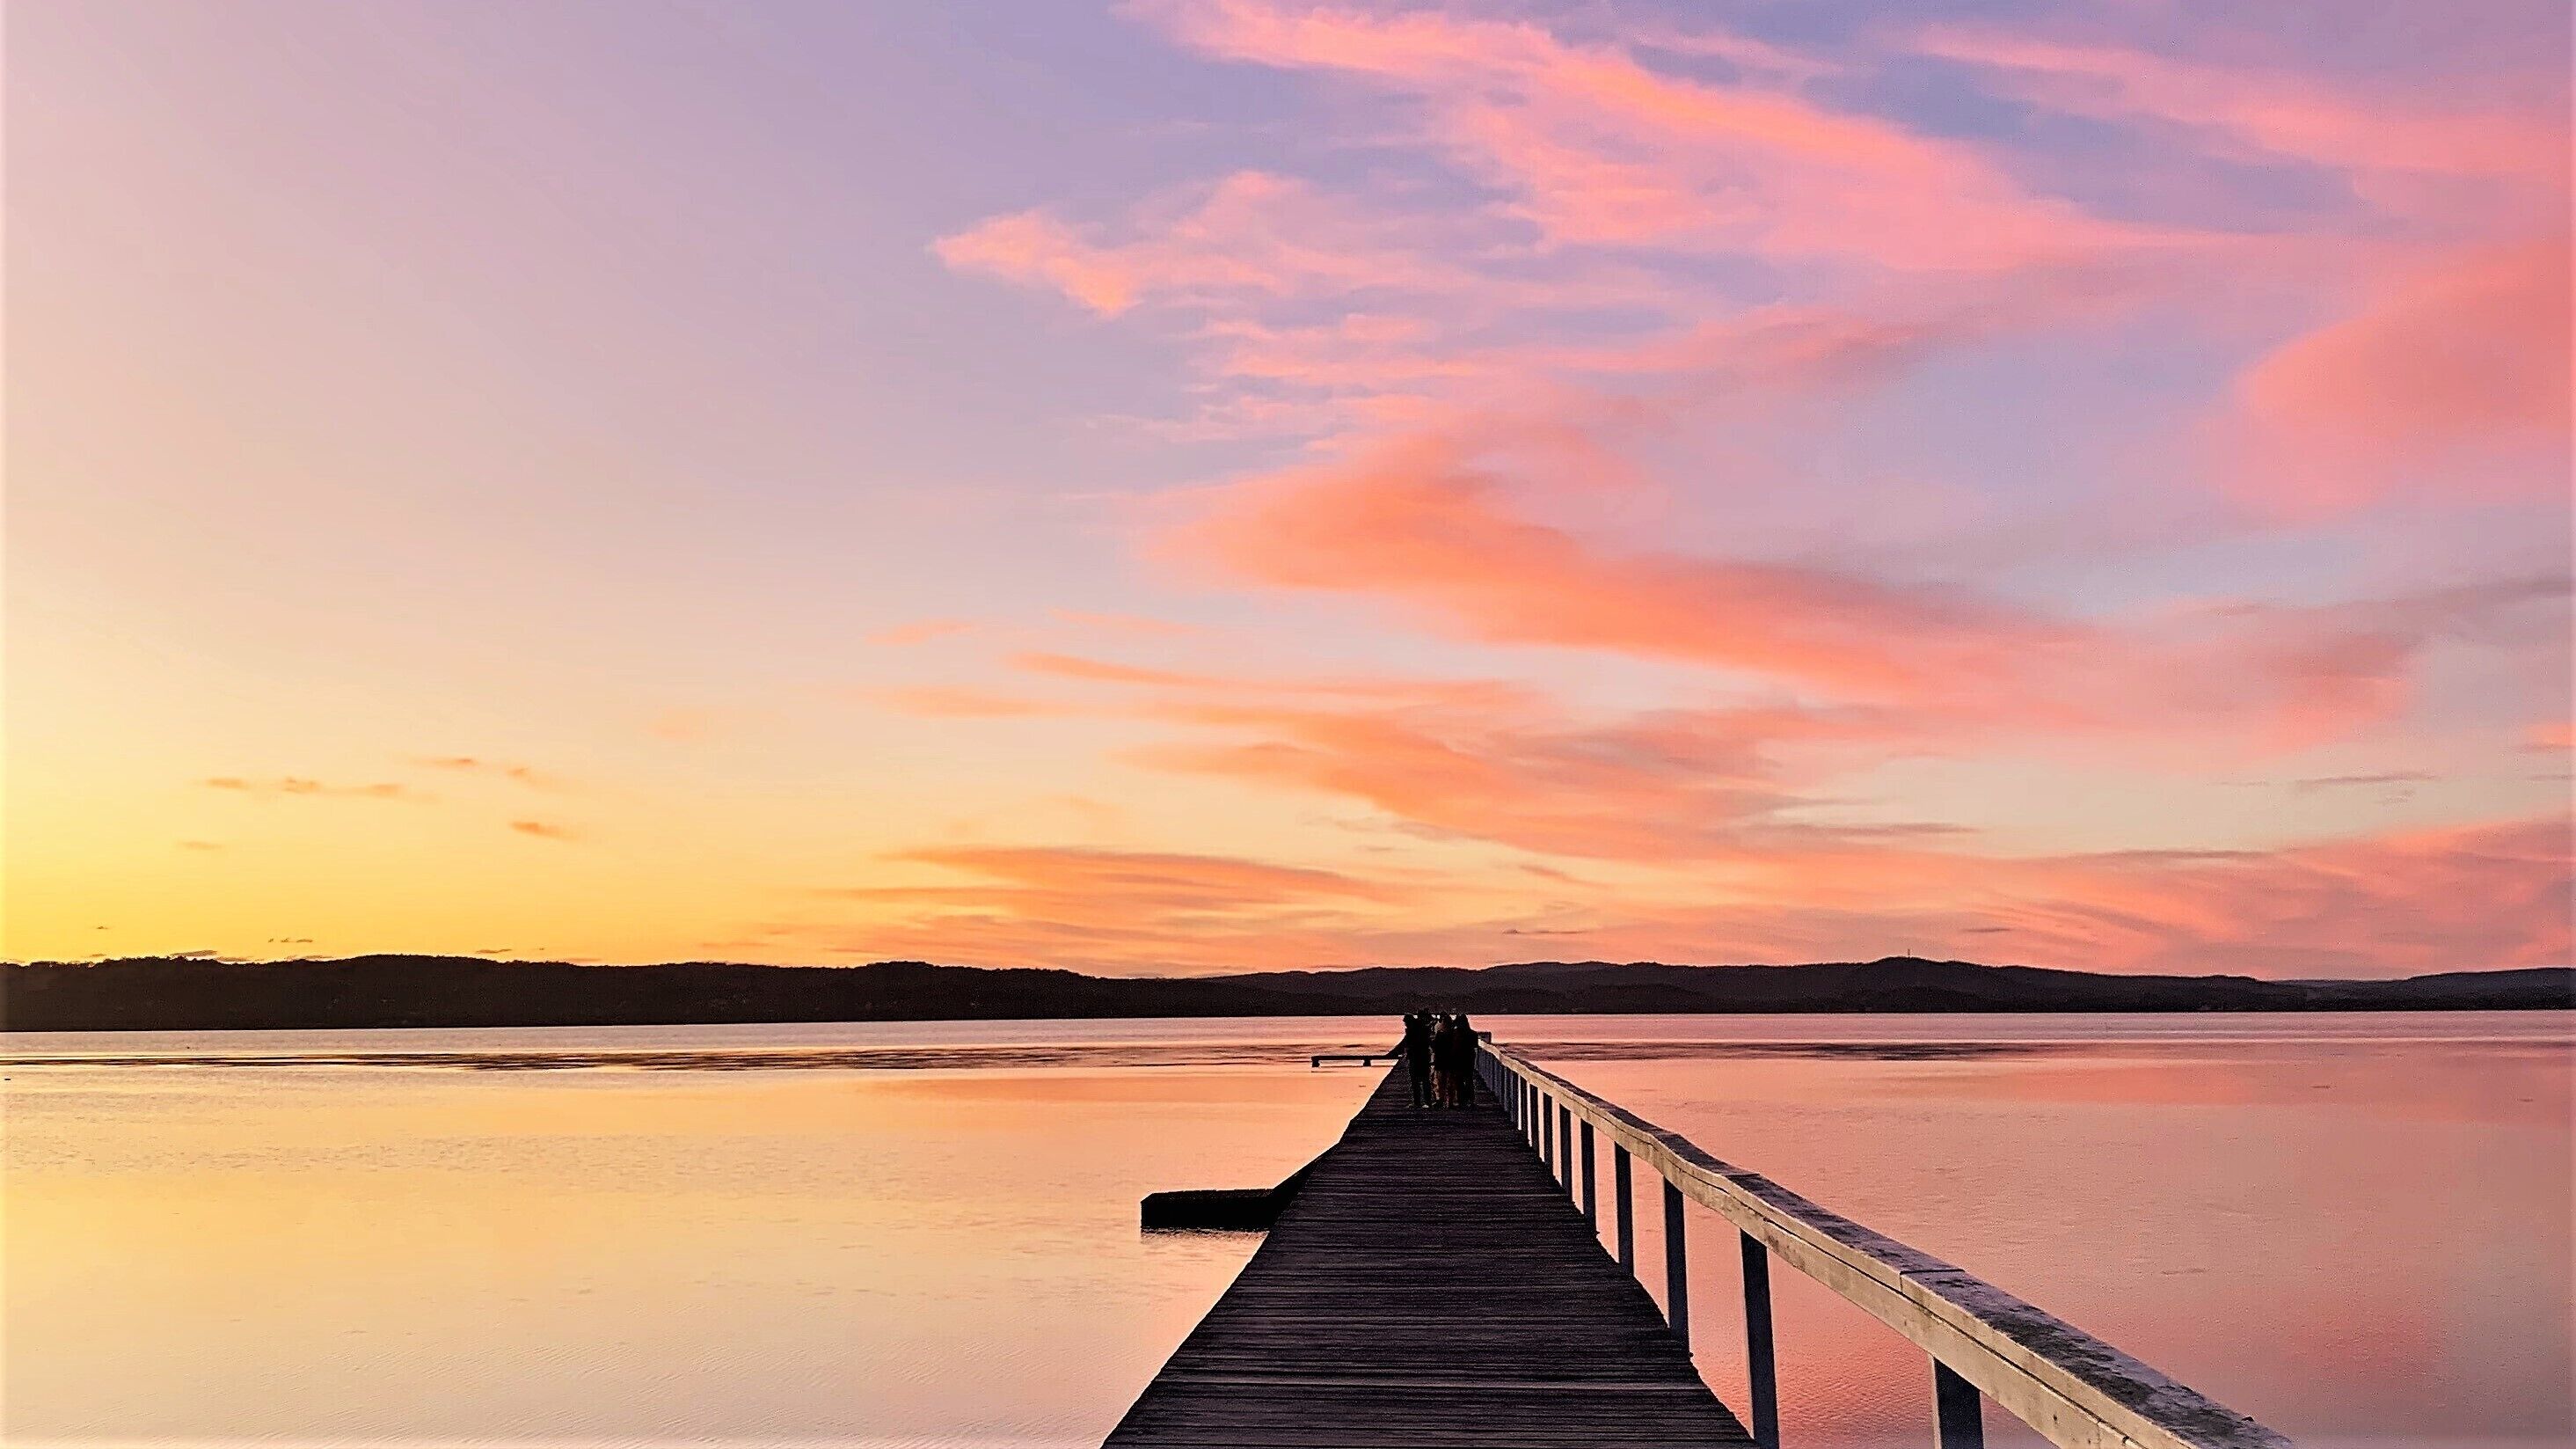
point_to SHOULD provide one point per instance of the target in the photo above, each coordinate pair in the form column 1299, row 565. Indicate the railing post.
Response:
column 1565, row 1147
column 1591, row 1207
column 1958, row 1412
column 1620, row 1173
column 1676, row 1268
column 1760, row 1366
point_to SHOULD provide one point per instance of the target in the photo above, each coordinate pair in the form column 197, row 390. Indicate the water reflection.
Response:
column 2353, row 1228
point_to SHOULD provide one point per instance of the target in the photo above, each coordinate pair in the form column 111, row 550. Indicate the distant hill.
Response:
column 165, row 993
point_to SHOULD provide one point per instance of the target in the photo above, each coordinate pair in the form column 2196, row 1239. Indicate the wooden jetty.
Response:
column 1440, row 1278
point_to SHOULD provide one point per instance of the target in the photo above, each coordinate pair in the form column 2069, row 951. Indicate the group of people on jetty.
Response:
column 1439, row 1052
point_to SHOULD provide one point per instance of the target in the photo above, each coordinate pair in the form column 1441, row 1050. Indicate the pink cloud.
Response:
column 921, row 631
column 2484, row 895
column 2469, row 355
column 1593, row 146
column 2490, row 894
column 1115, row 623
column 1425, row 525
column 2266, row 112
column 1252, row 234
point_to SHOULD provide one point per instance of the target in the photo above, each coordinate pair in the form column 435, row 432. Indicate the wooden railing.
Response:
column 2076, row 1390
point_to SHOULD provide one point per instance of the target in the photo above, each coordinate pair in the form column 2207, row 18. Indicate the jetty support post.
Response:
column 1958, row 1411
column 1677, row 1269
column 1621, row 1174
column 1565, row 1146
column 1760, row 1365
column 1591, row 1175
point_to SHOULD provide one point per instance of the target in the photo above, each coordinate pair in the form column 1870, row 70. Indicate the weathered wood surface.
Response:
column 1429, row 1286
column 2076, row 1390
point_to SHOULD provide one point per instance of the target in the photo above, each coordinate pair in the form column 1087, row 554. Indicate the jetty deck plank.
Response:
column 1429, row 1286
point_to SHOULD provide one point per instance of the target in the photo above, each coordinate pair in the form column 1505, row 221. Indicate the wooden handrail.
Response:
column 2076, row 1390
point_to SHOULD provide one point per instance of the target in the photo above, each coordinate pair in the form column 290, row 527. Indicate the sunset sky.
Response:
column 1171, row 486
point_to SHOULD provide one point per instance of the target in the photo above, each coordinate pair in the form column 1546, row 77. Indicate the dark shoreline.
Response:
column 392, row 992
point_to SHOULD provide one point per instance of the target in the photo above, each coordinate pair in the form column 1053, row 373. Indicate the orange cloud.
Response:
column 527, row 775
column 1116, row 909
column 1671, row 786
column 1171, row 877
column 962, row 702
column 542, row 830
column 296, row 785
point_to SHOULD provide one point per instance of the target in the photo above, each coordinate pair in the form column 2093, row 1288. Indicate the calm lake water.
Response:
column 2355, row 1228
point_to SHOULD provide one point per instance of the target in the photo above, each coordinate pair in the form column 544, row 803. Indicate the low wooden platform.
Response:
column 1429, row 1286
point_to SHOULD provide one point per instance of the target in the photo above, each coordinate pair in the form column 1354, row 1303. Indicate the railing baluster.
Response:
column 1547, row 1132
column 1760, row 1365
column 1676, row 1268
column 1564, row 1147
column 1620, row 1173
column 1958, row 1411
column 1591, row 1207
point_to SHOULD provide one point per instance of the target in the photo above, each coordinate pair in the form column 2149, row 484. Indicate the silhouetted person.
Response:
column 1462, row 1068
column 1444, row 1060
column 1416, row 1051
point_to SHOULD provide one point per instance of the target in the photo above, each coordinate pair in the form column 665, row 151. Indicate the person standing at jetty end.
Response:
column 1462, row 1061
column 1416, row 1051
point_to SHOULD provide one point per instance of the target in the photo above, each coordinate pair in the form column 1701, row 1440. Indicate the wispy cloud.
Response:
column 941, row 701
column 1590, row 144
column 297, row 786
column 1426, row 526
column 921, row 631
column 527, row 775
column 2271, row 113
column 2382, row 777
